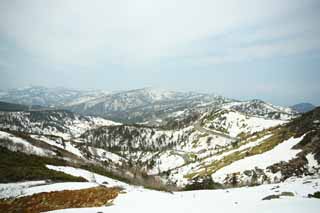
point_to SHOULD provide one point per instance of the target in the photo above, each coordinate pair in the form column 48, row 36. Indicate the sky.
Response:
column 266, row 49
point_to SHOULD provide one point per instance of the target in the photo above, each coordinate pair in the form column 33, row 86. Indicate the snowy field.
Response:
column 138, row 199
column 232, row 200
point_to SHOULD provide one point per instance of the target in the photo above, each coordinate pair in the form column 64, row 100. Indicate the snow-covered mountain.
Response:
column 201, row 138
column 51, row 122
column 262, row 109
column 47, row 97
column 148, row 106
column 270, row 150
column 235, row 123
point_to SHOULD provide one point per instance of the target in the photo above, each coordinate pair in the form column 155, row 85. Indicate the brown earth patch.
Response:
column 47, row 201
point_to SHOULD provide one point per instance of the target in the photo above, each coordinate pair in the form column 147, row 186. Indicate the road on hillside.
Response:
column 198, row 127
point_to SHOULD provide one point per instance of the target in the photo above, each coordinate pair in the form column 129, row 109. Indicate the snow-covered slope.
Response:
column 262, row 109
column 261, row 161
column 147, row 105
column 177, row 156
column 234, row 122
column 200, row 136
column 247, row 200
column 17, row 144
column 48, row 97
column 291, row 195
column 51, row 122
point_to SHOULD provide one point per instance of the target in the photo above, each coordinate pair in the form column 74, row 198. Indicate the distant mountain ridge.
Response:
column 147, row 105
column 47, row 97
column 303, row 107
column 4, row 106
column 179, row 138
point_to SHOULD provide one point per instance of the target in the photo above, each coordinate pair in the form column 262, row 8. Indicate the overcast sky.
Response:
column 267, row 49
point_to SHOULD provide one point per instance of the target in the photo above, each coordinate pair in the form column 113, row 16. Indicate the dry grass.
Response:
column 47, row 201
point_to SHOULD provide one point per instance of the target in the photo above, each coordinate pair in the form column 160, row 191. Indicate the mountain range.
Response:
column 161, row 140
column 176, row 138
column 147, row 105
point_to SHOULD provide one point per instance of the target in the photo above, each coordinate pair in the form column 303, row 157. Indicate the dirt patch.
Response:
column 47, row 201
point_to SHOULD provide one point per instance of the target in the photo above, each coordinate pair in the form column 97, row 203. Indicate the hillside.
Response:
column 205, row 145
column 217, row 149
column 50, row 122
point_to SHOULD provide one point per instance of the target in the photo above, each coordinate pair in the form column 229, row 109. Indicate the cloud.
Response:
column 292, row 35
column 133, row 32
column 187, row 44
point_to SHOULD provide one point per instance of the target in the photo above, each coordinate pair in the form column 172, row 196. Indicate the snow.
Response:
column 26, row 146
column 137, row 199
column 312, row 162
column 262, row 109
column 241, row 148
column 245, row 199
column 281, row 152
column 71, row 125
column 58, row 187
column 8, row 190
column 88, row 175
column 71, row 148
column 235, row 123
column 167, row 161
column 22, row 189
column 33, row 187
column 56, row 143
column 68, row 146
column 206, row 158
column 104, row 155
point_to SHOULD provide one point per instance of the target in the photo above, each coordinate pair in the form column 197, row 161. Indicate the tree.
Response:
column 234, row 179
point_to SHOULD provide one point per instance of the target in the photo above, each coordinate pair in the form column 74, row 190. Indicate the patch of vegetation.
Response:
column 314, row 195
column 17, row 166
column 47, row 201
column 202, row 183
column 214, row 115
column 282, row 194
column 287, row 194
column 271, row 197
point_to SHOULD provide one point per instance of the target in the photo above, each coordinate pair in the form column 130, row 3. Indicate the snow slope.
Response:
column 247, row 200
column 233, row 122
column 137, row 199
column 281, row 152
column 51, row 122
column 8, row 190
column 90, row 176
column 19, row 144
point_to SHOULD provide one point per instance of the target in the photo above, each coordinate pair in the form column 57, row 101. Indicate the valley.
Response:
column 165, row 141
